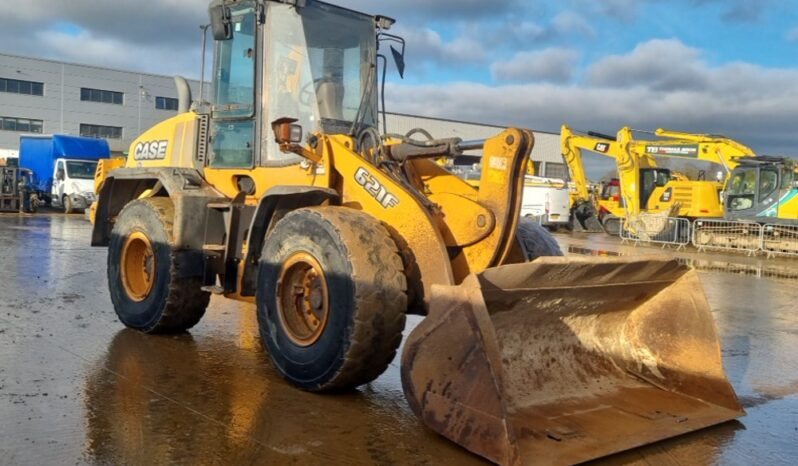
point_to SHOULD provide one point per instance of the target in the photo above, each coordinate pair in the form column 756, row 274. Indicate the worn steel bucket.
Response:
column 563, row 360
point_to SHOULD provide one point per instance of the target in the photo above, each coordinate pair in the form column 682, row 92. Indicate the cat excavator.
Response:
column 284, row 193
column 590, row 211
column 647, row 188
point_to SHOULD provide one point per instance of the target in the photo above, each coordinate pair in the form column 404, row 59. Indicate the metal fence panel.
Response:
column 667, row 231
column 727, row 235
column 780, row 240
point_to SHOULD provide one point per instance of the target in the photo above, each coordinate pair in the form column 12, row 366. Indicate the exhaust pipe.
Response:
column 183, row 94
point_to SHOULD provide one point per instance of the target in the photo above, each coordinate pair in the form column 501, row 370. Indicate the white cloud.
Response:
column 87, row 48
column 551, row 65
column 425, row 44
column 569, row 23
column 657, row 64
column 755, row 105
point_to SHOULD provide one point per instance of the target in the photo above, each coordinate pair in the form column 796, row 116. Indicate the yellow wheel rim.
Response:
column 302, row 299
column 138, row 266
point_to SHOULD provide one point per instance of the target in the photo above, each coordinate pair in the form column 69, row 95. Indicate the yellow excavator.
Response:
column 283, row 192
column 590, row 211
column 647, row 188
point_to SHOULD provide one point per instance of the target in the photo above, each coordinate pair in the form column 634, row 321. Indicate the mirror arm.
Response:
column 298, row 149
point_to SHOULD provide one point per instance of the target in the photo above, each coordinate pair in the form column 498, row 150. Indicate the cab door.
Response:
column 59, row 180
column 234, row 112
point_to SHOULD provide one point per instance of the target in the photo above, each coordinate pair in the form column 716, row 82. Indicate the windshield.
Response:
column 322, row 65
column 81, row 170
column 743, row 182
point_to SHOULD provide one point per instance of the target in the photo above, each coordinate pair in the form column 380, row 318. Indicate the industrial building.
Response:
column 51, row 97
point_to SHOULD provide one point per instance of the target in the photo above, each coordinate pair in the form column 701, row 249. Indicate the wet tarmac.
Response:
column 76, row 388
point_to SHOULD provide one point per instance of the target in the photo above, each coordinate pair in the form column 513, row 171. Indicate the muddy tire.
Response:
column 343, row 323
column 536, row 241
column 147, row 292
column 67, row 203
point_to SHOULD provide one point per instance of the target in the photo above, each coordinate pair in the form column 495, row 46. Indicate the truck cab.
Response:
column 63, row 168
column 73, row 184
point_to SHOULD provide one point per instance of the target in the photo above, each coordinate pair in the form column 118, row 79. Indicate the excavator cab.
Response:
column 762, row 187
column 650, row 180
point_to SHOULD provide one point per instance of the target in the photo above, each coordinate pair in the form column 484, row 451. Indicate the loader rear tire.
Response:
column 535, row 240
column 331, row 299
column 154, row 299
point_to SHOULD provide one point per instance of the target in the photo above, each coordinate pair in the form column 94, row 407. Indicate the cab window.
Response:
column 787, row 177
column 743, row 182
column 742, row 190
column 768, row 182
column 233, row 129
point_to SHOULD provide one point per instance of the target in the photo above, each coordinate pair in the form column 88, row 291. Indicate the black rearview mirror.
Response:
column 399, row 59
column 221, row 22
column 59, row 175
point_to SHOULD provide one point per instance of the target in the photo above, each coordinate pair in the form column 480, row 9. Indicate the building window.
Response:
column 22, row 125
column 165, row 103
column 103, row 97
column 556, row 170
column 18, row 86
column 100, row 131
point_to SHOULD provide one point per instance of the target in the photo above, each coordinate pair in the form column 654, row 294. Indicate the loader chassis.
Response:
column 337, row 236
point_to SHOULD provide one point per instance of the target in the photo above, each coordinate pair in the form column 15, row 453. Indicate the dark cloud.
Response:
column 166, row 22
column 743, row 11
column 621, row 10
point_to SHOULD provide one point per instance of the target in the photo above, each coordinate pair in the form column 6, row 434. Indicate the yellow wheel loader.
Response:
column 524, row 355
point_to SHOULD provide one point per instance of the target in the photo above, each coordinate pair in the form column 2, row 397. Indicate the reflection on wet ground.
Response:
column 783, row 269
column 75, row 388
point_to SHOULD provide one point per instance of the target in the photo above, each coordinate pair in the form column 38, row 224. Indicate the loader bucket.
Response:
column 563, row 360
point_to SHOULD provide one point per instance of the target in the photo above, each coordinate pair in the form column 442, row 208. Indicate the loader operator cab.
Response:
column 319, row 68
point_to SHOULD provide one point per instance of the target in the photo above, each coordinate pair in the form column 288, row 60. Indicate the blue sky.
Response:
column 715, row 66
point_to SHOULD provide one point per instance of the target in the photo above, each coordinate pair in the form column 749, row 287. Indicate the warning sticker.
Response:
column 498, row 163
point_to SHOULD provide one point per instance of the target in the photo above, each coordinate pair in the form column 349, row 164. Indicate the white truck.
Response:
column 547, row 201
column 63, row 168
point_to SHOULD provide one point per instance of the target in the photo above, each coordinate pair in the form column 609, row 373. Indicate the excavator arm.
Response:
column 706, row 147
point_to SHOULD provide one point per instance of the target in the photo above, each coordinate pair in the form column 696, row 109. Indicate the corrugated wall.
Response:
column 546, row 152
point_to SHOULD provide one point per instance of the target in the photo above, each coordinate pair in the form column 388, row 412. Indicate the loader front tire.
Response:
column 535, row 240
column 147, row 292
column 331, row 298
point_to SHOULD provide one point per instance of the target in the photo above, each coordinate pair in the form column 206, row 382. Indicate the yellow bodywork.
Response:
column 476, row 221
column 679, row 196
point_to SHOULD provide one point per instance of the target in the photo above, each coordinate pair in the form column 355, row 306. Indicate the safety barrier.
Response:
column 780, row 240
column 727, row 235
column 666, row 231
